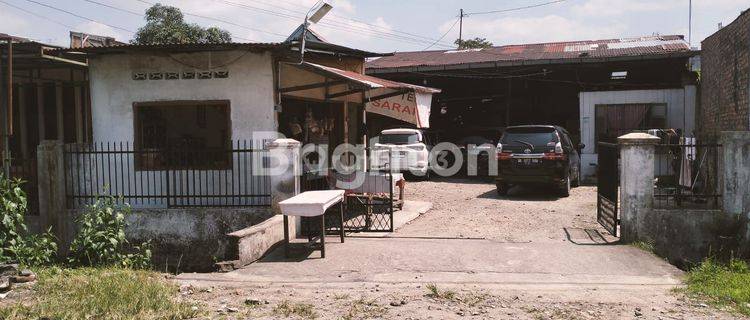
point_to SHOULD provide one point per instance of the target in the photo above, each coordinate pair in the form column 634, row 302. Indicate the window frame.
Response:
column 137, row 138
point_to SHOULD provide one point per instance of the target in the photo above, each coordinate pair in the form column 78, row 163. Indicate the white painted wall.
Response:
column 680, row 114
column 249, row 89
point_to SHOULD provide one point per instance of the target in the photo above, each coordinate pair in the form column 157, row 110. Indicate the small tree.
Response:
column 476, row 43
column 166, row 24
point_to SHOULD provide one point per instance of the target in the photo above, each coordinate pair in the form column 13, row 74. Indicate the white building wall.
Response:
column 249, row 88
column 680, row 115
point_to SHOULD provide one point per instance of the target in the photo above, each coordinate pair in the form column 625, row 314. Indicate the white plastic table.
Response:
column 312, row 204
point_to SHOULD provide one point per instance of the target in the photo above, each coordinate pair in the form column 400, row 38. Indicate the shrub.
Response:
column 12, row 224
column 101, row 238
column 15, row 242
column 36, row 250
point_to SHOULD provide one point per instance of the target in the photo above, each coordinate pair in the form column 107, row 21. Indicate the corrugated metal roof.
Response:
column 118, row 48
column 191, row 47
column 368, row 81
column 590, row 49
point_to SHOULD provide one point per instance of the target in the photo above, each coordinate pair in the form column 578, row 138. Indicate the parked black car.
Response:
column 537, row 154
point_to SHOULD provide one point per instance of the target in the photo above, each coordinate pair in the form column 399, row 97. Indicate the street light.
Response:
column 321, row 8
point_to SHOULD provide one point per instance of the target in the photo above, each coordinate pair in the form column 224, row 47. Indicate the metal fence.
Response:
column 687, row 176
column 608, row 187
column 235, row 176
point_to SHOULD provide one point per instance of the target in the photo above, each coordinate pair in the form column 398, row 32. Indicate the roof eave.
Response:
column 514, row 63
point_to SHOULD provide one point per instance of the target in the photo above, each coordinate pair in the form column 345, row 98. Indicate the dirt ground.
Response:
column 471, row 208
column 465, row 210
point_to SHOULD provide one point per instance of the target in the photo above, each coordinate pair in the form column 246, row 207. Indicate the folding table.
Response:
column 312, row 204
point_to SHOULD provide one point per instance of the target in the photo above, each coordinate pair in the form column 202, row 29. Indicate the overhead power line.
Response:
column 444, row 34
column 335, row 26
column 187, row 13
column 340, row 18
column 142, row 15
column 37, row 15
column 514, row 9
column 79, row 16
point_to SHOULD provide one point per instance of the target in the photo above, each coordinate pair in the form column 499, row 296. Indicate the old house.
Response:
column 596, row 89
column 48, row 98
column 179, row 132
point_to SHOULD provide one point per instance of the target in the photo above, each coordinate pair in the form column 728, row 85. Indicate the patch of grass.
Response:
column 365, row 309
column 722, row 284
column 341, row 296
column 472, row 299
column 434, row 292
column 288, row 309
column 645, row 246
column 100, row 293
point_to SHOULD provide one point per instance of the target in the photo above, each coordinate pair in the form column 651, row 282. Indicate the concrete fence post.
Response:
column 285, row 170
column 636, row 182
column 735, row 189
column 51, row 184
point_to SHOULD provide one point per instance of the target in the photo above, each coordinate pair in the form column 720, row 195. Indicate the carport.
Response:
column 341, row 99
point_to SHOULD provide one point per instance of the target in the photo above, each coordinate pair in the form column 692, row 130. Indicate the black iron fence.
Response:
column 687, row 176
column 608, row 186
column 235, row 176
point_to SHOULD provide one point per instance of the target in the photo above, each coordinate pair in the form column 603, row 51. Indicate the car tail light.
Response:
column 557, row 155
column 558, row 148
column 502, row 155
column 554, row 156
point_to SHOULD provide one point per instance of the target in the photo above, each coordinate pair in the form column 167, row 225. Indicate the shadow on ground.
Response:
column 523, row 193
column 589, row 237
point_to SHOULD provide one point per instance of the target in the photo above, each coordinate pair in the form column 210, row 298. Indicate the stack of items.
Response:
column 10, row 275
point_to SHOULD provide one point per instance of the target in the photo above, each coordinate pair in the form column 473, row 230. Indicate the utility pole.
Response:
column 460, row 27
column 690, row 23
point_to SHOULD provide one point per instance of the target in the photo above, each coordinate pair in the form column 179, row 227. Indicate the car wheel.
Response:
column 565, row 188
column 502, row 188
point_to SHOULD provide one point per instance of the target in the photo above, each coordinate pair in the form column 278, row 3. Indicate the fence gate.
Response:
column 368, row 207
column 608, row 184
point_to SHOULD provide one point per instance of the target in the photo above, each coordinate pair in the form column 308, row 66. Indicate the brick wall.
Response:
column 725, row 81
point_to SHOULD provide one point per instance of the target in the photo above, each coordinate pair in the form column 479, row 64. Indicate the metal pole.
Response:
column 690, row 23
column 10, row 87
column 8, row 127
column 460, row 28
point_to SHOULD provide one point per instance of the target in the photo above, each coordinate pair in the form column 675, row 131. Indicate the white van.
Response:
column 408, row 150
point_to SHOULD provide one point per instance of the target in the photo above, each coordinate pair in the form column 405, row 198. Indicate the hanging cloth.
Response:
column 686, row 164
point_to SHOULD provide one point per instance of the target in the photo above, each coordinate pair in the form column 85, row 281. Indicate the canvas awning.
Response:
column 403, row 101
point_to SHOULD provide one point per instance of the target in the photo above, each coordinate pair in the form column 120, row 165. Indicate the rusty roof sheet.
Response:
column 191, row 47
column 368, row 81
column 579, row 50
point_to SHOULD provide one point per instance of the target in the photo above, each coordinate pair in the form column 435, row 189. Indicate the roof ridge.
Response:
column 679, row 36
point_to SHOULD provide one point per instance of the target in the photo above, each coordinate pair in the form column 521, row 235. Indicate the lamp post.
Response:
column 321, row 8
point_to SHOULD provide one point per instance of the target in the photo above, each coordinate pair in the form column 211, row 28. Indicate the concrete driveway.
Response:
column 531, row 250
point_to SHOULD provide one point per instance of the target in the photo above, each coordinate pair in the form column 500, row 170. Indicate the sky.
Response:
column 382, row 25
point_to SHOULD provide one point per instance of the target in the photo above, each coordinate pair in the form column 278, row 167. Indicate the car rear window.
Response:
column 535, row 136
column 399, row 138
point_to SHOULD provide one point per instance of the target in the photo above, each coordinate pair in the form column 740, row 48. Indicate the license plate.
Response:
column 527, row 161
